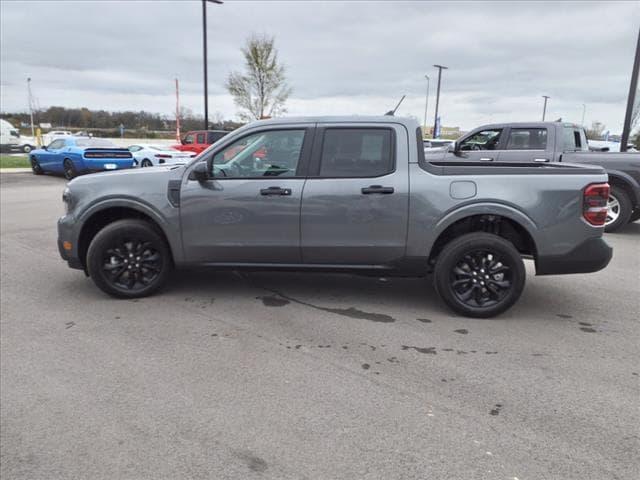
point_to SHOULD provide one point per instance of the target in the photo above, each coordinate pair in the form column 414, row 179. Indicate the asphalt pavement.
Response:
column 308, row 376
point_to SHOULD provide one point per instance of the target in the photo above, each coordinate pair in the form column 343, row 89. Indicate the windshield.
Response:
column 95, row 143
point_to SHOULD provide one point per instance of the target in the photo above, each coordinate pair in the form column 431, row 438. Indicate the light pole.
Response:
column 33, row 132
column 544, row 108
column 631, row 99
column 435, row 120
column 426, row 103
column 204, row 48
column 584, row 110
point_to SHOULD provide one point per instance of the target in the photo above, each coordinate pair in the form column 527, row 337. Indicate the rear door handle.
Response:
column 275, row 191
column 487, row 159
column 377, row 189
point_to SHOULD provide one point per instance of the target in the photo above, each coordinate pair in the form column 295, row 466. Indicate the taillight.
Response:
column 594, row 203
column 162, row 155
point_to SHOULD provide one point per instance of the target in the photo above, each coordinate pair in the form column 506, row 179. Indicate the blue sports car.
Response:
column 73, row 156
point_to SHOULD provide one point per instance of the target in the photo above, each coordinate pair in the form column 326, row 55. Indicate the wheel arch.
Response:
column 100, row 216
column 499, row 220
column 626, row 183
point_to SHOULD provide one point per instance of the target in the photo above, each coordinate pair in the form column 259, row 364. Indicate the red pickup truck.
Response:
column 198, row 140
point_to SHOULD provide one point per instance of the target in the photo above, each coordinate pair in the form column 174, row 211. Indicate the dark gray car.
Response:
column 349, row 194
column 544, row 142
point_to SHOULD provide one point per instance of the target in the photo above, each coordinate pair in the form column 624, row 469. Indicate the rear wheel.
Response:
column 129, row 259
column 479, row 275
column 619, row 209
column 146, row 163
column 27, row 148
column 69, row 169
column 35, row 166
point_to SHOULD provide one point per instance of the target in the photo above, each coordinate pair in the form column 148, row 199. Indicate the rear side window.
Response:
column 357, row 152
column 527, row 139
column 200, row 138
column 574, row 140
column 213, row 137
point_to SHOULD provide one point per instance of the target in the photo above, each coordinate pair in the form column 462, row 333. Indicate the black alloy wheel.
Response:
column 35, row 166
column 129, row 259
column 69, row 169
column 479, row 274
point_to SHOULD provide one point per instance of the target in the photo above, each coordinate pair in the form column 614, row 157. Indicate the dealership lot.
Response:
column 289, row 375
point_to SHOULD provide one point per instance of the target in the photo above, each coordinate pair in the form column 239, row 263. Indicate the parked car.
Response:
column 339, row 193
column 9, row 136
column 146, row 155
column 544, row 142
column 199, row 140
column 26, row 144
column 74, row 156
column 430, row 143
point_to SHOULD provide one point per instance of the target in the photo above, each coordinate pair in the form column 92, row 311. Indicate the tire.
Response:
column 118, row 244
column 460, row 274
column 146, row 163
column 69, row 169
column 635, row 216
column 35, row 166
column 27, row 149
column 619, row 209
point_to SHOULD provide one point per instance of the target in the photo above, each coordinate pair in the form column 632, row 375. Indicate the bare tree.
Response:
column 262, row 89
column 596, row 131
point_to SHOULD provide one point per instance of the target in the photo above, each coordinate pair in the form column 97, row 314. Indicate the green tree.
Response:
column 262, row 89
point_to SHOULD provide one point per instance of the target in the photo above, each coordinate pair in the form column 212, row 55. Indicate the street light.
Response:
column 426, row 103
column 584, row 110
column 544, row 108
column 204, row 48
column 435, row 120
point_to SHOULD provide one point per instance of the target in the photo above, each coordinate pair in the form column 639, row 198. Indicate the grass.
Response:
column 14, row 161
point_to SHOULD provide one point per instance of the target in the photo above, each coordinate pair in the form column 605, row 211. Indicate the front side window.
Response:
column 213, row 137
column 484, row 140
column 56, row 144
column 200, row 138
column 357, row 152
column 188, row 139
column 527, row 139
column 274, row 153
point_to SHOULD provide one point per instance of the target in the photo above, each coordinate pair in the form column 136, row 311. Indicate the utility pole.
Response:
column 631, row 99
column 178, row 112
column 584, row 110
column 544, row 108
column 33, row 132
column 426, row 104
column 204, row 48
column 435, row 120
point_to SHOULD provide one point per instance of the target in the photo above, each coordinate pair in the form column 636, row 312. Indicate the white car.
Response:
column 146, row 155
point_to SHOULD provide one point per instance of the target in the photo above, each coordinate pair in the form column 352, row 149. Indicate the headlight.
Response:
column 68, row 200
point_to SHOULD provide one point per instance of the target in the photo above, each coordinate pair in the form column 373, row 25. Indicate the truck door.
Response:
column 527, row 144
column 356, row 199
column 483, row 146
column 249, row 210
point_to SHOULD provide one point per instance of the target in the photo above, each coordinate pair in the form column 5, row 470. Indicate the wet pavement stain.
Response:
column 588, row 329
column 366, row 366
column 491, row 353
column 273, row 301
column 429, row 350
column 69, row 325
column 447, row 349
column 585, row 324
column 297, row 347
column 496, row 411
column 350, row 312
column 393, row 360
column 563, row 315
column 424, row 320
column 214, row 334
column 255, row 464
column 461, row 352
column 117, row 318
column 463, row 331
column 345, row 347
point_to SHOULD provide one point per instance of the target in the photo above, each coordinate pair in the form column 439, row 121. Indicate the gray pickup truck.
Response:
column 351, row 194
column 552, row 142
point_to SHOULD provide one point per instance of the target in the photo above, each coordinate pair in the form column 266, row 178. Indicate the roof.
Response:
column 528, row 124
column 339, row 119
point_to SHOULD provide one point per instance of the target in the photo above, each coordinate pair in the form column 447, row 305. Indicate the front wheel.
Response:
column 35, row 167
column 619, row 209
column 129, row 259
column 479, row 275
column 27, row 148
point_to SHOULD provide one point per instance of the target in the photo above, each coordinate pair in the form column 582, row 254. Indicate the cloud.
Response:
column 341, row 57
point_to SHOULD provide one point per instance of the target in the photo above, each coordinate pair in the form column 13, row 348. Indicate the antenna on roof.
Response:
column 392, row 112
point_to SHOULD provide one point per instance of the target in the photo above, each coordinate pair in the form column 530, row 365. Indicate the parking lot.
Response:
column 290, row 375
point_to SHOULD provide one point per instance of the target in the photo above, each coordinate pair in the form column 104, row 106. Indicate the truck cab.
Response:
column 199, row 140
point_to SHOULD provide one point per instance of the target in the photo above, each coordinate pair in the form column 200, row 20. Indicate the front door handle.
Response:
column 275, row 191
column 377, row 189
column 487, row 159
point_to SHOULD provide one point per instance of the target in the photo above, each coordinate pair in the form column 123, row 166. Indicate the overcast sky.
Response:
column 341, row 57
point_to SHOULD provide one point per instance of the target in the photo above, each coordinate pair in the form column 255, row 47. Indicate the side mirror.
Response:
column 453, row 147
column 200, row 172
